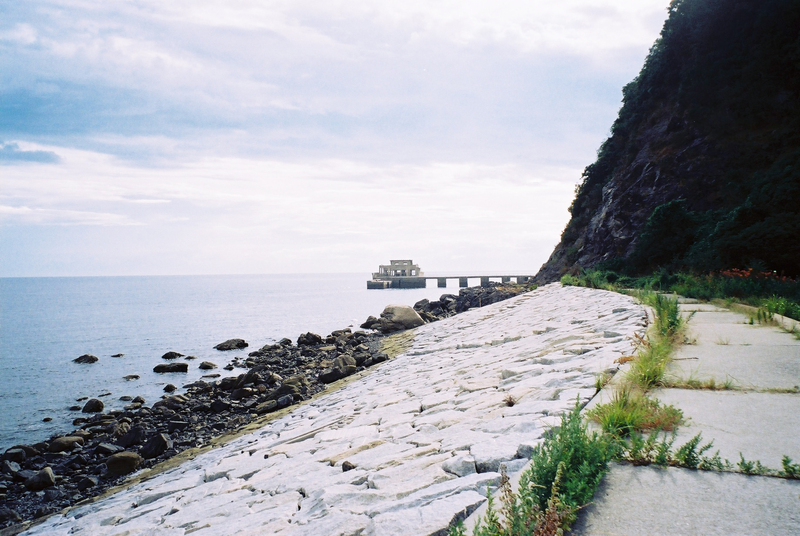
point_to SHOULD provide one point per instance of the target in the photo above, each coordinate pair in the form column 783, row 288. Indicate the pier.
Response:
column 405, row 274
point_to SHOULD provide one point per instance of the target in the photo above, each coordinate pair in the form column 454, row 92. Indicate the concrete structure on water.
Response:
column 404, row 273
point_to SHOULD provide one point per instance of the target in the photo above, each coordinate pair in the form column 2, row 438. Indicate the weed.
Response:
column 564, row 473
column 790, row 470
column 710, row 385
column 723, row 341
column 630, row 411
column 690, row 455
column 748, row 468
column 648, row 369
column 510, row 400
column 602, row 379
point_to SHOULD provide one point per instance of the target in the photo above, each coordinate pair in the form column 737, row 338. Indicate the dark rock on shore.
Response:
column 86, row 358
column 231, row 344
column 172, row 355
column 118, row 355
column 171, row 367
column 93, row 405
column 207, row 365
column 123, row 463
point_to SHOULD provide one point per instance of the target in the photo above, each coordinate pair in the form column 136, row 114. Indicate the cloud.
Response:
column 10, row 152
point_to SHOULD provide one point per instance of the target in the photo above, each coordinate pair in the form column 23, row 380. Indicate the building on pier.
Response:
column 402, row 273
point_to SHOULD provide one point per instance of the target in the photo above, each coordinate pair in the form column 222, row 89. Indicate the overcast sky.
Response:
column 255, row 136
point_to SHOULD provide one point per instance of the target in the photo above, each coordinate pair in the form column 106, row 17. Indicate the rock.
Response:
column 134, row 436
column 172, row 367
column 190, row 357
column 123, row 463
column 61, row 444
column 9, row 467
column 285, row 400
column 207, row 365
column 231, row 344
column 169, row 388
column 243, row 392
column 156, row 446
column 218, row 406
column 117, row 355
column 86, row 358
column 460, row 465
column 15, row 455
column 173, row 426
column 371, row 323
column 398, row 318
column 87, row 482
column 138, row 400
column 7, row 514
column 347, row 466
column 171, row 355
column 75, row 408
column 93, row 405
column 131, row 377
column 285, row 342
column 309, row 339
column 107, row 449
column 41, row 480
column 266, row 407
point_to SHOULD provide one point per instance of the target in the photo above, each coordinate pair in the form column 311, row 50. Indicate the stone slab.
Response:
column 636, row 501
column 762, row 426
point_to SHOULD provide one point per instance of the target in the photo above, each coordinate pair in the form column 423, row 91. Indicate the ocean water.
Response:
column 45, row 323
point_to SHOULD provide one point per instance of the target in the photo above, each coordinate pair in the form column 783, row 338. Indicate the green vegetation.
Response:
column 630, row 411
column 771, row 293
column 716, row 109
column 564, row 473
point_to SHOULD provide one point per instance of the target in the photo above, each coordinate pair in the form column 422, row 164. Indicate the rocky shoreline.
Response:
column 39, row 479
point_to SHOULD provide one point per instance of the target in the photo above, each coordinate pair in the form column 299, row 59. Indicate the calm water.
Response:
column 47, row 322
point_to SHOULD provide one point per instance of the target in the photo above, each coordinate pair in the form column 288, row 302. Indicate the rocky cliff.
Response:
column 702, row 169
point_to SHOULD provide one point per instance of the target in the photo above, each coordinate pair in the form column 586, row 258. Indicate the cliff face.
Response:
column 707, row 137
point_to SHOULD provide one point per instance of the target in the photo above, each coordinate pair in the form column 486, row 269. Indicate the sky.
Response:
column 145, row 137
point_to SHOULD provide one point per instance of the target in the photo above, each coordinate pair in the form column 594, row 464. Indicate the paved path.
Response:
column 425, row 433
column 761, row 421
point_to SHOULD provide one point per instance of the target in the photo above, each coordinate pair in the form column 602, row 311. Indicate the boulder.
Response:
column 86, row 358
column 398, row 318
column 134, row 436
column 231, row 344
column 207, row 365
column 7, row 514
column 15, row 455
column 117, row 355
column 61, row 444
column 371, row 323
column 169, row 388
column 266, row 407
column 309, row 339
column 156, row 446
column 93, row 405
column 41, row 480
column 131, row 377
column 172, row 367
column 87, row 482
column 171, row 355
column 123, row 463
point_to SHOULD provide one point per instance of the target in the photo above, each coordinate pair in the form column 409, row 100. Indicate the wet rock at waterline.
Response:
column 231, row 344
column 171, row 367
column 172, row 355
column 86, row 359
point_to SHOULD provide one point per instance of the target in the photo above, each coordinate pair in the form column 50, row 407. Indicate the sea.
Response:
column 47, row 322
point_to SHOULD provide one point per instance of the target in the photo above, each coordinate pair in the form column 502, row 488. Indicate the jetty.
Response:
column 403, row 273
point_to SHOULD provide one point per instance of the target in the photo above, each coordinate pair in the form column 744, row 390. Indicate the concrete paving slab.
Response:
column 748, row 367
column 762, row 426
column 655, row 501
column 700, row 307
column 702, row 332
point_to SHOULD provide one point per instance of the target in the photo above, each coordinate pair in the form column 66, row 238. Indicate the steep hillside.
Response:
column 702, row 168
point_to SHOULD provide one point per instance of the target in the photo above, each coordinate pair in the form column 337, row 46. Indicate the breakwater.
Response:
column 403, row 450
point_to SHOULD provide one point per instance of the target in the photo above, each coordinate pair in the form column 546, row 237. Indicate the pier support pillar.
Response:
column 462, row 282
column 484, row 281
column 505, row 279
column 521, row 280
column 442, row 282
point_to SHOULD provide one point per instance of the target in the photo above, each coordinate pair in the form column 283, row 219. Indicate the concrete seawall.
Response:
column 402, row 451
